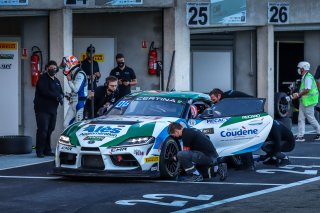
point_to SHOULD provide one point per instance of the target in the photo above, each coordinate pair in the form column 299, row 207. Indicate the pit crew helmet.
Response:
column 69, row 62
column 303, row 64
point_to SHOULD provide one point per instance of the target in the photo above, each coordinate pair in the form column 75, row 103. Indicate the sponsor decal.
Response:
column 251, row 116
column 119, row 149
column 107, row 134
column 154, row 168
column 91, row 142
column 192, row 122
column 156, row 99
column 5, row 66
column 122, row 104
column 67, row 148
column 138, row 152
column 217, row 120
column 153, row 159
column 101, row 129
column 240, row 132
column 207, row 131
column 6, row 56
column 93, row 138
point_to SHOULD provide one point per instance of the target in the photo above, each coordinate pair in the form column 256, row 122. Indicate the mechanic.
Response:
column 126, row 76
column 86, row 67
column 246, row 160
column 77, row 81
column 280, row 139
column 48, row 95
column 308, row 95
column 198, row 150
column 105, row 96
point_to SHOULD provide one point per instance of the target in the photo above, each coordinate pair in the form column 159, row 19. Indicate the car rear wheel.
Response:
column 169, row 167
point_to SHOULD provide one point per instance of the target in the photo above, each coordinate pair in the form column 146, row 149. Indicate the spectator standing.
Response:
column 47, row 97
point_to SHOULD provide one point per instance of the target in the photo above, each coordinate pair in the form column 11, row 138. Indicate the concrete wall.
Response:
column 245, row 62
column 129, row 29
column 35, row 33
column 312, row 49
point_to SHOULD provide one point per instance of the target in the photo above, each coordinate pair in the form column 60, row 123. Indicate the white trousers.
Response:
column 306, row 112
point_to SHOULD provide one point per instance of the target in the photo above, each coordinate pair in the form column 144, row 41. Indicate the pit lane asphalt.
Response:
column 289, row 189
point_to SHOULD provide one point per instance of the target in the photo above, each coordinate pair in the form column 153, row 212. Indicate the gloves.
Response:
column 60, row 99
column 289, row 98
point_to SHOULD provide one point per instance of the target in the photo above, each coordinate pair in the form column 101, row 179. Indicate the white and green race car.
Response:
column 131, row 139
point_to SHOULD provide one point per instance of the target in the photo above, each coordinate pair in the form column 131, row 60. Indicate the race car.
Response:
column 131, row 139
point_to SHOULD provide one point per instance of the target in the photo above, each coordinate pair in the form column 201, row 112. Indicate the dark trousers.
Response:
column 190, row 159
column 46, row 123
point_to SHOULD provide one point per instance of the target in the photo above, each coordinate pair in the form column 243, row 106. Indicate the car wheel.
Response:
column 169, row 167
column 281, row 105
column 15, row 144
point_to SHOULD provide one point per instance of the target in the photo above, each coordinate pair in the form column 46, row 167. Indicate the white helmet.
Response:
column 305, row 65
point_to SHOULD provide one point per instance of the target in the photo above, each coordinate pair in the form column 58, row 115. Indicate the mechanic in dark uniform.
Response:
column 198, row 150
column 86, row 67
column 48, row 95
column 126, row 76
column 280, row 139
column 246, row 159
column 105, row 96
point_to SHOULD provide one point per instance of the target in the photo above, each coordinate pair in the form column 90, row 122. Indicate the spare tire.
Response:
column 281, row 105
column 15, row 144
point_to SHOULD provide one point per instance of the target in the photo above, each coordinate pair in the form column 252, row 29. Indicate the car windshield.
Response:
column 149, row 106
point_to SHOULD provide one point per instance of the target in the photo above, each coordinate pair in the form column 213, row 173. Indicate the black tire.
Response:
column 287, row 122
column 15, row 144
column 168, row 167
column 281, row 105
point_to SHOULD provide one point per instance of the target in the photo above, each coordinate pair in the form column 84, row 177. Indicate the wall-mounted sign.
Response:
column 119, row 2
column 98, row 57
column 9, row 80
column 77, row 3
column 278, row 12
column 13, row 2
column 216, row 12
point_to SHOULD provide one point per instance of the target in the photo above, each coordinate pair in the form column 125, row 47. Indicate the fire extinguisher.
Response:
column 152, row 60
column 36, row 65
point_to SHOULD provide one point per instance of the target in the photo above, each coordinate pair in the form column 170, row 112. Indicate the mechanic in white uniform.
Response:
column 77, row 81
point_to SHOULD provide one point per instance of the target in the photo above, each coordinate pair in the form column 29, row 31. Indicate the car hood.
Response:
column 109, row 131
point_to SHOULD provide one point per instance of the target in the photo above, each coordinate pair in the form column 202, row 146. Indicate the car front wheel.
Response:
column 168, row 166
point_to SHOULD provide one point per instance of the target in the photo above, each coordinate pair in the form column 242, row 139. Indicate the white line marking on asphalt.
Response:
column 298, row 157
column 217, row 183
column 28, row 177
column 253, row 194
column 31, row 164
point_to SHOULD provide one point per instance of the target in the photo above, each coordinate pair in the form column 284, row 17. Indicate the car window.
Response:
column 238, row 106
column 149, row 106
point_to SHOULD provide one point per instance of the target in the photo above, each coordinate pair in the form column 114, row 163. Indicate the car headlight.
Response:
column 137, row 141
column 64, row 140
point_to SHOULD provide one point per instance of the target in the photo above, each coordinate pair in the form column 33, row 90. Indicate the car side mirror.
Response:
column 207, row 113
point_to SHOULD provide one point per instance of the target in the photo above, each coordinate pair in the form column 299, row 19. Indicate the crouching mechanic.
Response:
column 105, row 96
column 198, row 150
column 280, row 139
column 77, row 81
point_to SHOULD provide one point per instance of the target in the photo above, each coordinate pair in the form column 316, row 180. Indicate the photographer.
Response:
column 48, row 95
column 126, row 76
